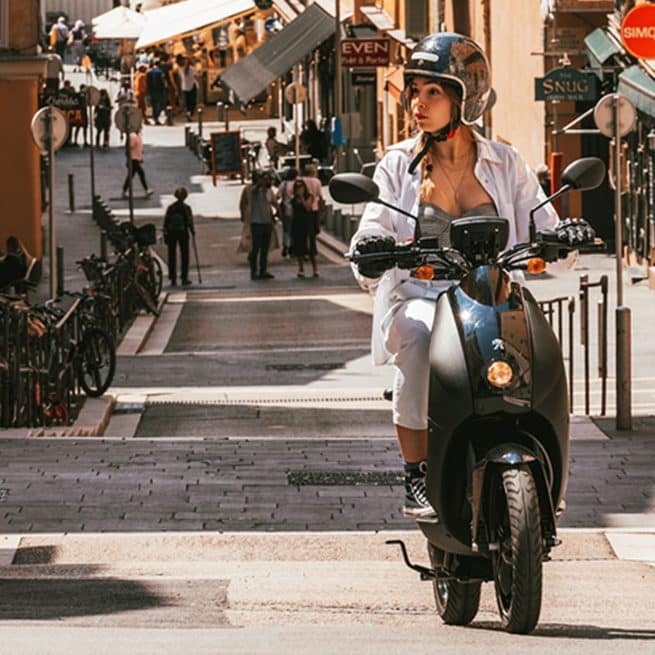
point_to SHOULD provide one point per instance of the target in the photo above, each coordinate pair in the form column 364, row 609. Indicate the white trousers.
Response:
column 407, row 338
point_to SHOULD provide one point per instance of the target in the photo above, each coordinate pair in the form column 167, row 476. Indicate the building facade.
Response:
column 21, row 74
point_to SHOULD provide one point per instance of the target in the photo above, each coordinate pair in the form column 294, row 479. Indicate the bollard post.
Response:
column 336, row 222
column 623, row 370
column 584, row 335
column 71, row 193
column 187, row 129
column 354, row 222
column 219, row 104
column 60, row 271
column 200, row 122
column 103, row 245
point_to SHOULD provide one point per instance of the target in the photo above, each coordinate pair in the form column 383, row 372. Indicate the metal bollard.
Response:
column 343, row 226
column 103, row 245
column 329, row 220
column 71, row 192
column 60, row 271
column 623, row 370
column 187, row 129
column 219, row 106
column 200, row 122
column 336, row 222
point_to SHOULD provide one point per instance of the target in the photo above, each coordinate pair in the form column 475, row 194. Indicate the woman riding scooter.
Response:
column 445, row 172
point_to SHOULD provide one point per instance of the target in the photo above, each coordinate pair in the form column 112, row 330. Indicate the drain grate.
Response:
column 344, row 478
column 305, row 367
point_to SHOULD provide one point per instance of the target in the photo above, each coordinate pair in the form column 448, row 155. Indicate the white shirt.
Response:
column 187, row 78
column 501, row 172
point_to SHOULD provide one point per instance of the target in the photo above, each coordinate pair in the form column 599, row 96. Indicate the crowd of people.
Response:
column 297, row 204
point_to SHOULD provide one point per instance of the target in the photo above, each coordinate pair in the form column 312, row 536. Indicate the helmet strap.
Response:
column 444, row 134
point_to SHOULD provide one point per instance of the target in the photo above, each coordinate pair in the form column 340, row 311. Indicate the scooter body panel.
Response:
column 486, row 318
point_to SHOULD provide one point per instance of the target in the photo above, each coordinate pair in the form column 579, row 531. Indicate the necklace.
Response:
column 455, row 187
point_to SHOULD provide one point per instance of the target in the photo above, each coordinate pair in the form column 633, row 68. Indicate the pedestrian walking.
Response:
column 14, row 263
column 141, row 89
column 178, row 224
column 448, row 170
column 257, row 206
column 315, row 188
column 136, row 155
column 103, row 119
column 274, row 148
column 79, row 118
column 78, row 38
column 285, row 209
column 54, row 74
column 157, row 88
column 312, row 140
column 59, row 37
column 189, row 87
column 125, row 93
column 303, row 227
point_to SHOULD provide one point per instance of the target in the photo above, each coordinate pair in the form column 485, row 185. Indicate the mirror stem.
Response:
column 396, row 209
column 533, row 227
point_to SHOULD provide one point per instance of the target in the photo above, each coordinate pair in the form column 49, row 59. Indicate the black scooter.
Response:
column 498, row 409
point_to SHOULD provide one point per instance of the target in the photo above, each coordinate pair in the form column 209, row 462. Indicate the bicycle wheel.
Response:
column 97, row 362
column 156, row 277
column 145, row 298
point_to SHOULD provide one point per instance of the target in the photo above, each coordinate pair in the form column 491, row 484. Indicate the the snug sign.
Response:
column 566, row 84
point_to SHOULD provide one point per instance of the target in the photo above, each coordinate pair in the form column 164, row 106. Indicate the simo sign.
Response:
column 638, row 31
column 364, row 52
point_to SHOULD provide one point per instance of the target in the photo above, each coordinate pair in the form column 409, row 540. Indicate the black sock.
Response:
column 415, row 469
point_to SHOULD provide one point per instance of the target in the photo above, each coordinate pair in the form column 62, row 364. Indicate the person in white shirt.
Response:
column 188, row 86
column 446, row 171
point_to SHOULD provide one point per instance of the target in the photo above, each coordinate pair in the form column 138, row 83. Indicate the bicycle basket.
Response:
column 146, row 235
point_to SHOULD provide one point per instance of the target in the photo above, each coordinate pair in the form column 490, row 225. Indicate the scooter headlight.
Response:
column 500, row 374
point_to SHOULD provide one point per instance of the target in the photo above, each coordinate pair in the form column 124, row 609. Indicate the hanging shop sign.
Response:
column 566, row 84
column 365, row 52
column 638, row 31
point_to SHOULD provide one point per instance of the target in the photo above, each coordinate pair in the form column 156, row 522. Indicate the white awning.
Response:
column 119, row 23
column 189, row 16
column 329, row 7
column 379, row 18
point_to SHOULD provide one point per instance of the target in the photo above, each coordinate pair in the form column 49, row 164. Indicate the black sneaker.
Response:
column 416, row 498
column 266, row 276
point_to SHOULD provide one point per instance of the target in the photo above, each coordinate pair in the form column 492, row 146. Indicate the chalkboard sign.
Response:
column 226, row 154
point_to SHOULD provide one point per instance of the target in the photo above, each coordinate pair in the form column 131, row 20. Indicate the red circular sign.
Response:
column 638, row 31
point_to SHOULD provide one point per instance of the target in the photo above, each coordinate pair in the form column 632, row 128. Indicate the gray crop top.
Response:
column 435, row 222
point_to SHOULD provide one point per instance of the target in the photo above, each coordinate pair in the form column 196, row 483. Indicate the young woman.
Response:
column 446, row 171
column 303, row 227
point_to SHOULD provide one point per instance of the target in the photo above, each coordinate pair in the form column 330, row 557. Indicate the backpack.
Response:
column 176, row 217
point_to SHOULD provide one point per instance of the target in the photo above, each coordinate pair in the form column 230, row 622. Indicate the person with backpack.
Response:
column 178, row 223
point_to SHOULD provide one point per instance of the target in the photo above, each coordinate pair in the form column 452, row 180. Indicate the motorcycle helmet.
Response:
column 455, row 60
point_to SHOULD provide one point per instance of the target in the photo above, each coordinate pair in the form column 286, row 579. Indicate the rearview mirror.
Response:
column 584, row 174
column 353, row 188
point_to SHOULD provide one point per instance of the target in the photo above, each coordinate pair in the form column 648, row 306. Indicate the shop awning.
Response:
column 119, row 23
column 183, row 18
column 600, row 47
column 252, row 74
column 379, row 18
column 636, row 85
column 402, row 38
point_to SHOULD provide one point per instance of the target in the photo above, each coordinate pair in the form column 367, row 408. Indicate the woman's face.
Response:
column 429, row 104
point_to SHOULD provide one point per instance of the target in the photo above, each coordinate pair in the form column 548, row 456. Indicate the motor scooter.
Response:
column 498, row 424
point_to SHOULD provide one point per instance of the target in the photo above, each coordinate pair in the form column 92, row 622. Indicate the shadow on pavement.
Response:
column 565, row 631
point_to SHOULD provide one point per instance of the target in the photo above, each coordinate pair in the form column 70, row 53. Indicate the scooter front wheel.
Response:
column 517, row 563
column 457, row 603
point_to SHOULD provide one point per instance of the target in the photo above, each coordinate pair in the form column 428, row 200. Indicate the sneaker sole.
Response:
column 418, row 512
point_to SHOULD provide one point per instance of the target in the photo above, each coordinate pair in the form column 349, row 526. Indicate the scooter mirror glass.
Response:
column 352, row 188
column 584, row 174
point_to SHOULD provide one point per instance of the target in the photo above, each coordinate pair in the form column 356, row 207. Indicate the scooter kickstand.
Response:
column 426, row 574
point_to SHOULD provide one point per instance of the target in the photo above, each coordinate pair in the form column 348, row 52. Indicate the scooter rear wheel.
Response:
column 517, row 564
column 457, row 603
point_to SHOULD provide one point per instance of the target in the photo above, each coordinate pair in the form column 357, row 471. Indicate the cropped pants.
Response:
column 407, row 330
